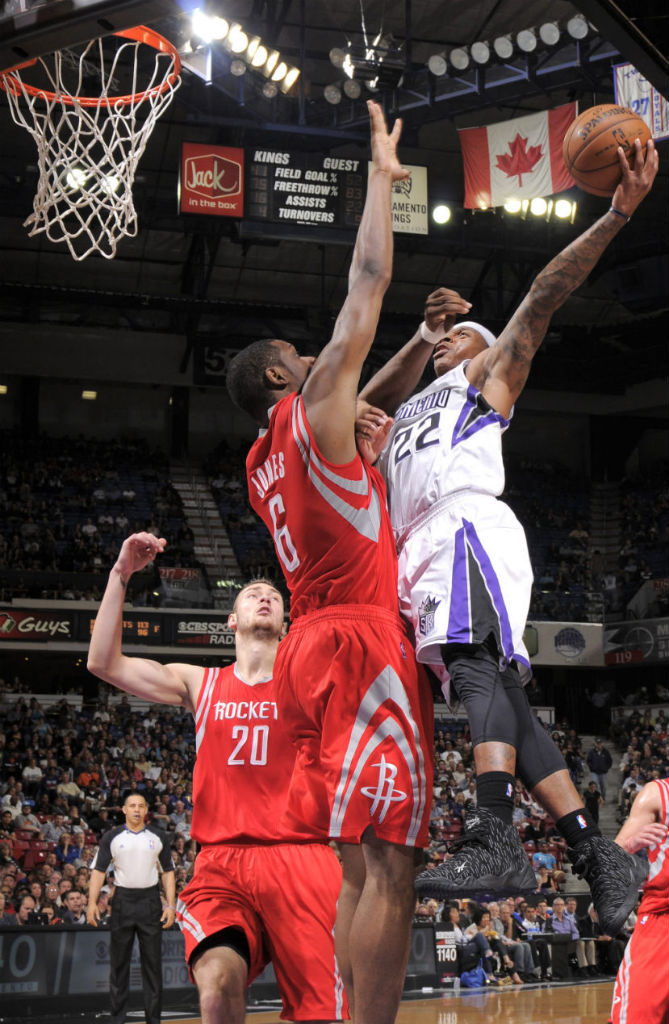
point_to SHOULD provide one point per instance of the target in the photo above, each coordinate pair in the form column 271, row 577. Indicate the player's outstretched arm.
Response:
column 166, row 684
column 331, row 389
column 400, row 376
column 643, row 827
column 501, row 371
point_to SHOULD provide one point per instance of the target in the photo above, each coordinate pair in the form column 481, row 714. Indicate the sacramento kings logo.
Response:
column 426, row 615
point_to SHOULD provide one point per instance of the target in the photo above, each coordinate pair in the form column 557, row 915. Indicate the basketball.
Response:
column 590, row 147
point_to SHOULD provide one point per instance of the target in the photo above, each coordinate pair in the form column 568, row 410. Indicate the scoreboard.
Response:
column 278, row 186
column 304, row 188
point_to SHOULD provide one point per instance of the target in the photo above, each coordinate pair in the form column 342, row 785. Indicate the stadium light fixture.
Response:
column 512, row 206
column 337, row 57
column 503, row 47
column 437, row 65
column 352, row 88
column 549, row 33
column 459, row 58
column 207, row 28
column 577, row 27
column 480, row 52
column 526, row 40
column 289, row 81
column 441, row 213
column 332, row 93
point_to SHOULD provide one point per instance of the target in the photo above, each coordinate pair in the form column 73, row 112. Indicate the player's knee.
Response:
column 221, row 985
column 216, row 1006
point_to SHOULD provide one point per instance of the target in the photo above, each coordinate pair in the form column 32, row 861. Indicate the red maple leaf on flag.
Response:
column 521, row 161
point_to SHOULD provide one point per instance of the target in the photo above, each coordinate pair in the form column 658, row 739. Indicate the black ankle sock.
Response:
column 577, row 826
column 495, row 791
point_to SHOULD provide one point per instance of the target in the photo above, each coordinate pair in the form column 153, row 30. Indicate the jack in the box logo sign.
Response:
column 212, row 180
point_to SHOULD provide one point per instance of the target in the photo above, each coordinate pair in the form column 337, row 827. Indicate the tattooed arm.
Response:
column 500, row 372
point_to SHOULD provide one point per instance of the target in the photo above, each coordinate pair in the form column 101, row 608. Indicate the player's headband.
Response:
column 487, row 335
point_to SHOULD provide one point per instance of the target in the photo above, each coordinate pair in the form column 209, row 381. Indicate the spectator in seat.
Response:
column 74, row 904
column 7, row 919
column 609, row 950
column 599, row 762
column 542, row 858
column 27, row 821
column 471, row 947
column 511, row 935
column 25, row 914
column 533, row 926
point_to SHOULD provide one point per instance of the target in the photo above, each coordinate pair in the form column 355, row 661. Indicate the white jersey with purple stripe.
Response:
column 464, row 568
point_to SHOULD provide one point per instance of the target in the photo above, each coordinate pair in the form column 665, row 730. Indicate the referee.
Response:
column 138, row 852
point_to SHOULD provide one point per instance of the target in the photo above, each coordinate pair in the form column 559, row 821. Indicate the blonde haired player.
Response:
column 641, row 991
column 261, row 889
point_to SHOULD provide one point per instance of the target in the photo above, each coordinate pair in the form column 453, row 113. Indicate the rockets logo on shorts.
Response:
column 385, row 793
column 426, row 615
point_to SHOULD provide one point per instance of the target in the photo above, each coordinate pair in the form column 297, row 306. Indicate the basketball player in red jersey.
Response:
column 641, row 991
column 362, row 713
column 261, row 890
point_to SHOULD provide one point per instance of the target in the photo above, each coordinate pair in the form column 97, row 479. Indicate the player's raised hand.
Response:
column 136, row 552
column 372, row 427
column 443, row 307
column 637, row 180
column 384, row 143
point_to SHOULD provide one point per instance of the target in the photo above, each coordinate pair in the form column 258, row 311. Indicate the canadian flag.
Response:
column 518, row 159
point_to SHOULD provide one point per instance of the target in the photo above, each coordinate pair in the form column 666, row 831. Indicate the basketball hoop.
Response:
column 89, row 146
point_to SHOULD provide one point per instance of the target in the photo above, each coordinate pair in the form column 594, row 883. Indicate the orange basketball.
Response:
column 590, row 147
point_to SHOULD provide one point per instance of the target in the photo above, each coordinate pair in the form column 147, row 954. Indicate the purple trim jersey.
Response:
column 464, row 568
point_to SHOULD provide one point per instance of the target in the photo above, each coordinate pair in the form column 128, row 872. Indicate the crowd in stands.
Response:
column 67, row 504
column 52, row 816
column 517, row 940
column 642, row 736
column 63, row 774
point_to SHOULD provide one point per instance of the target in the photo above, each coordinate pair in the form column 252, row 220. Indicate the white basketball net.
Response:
column 88, row 150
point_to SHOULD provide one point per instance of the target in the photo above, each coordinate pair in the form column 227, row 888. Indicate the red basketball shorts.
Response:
column 361, row 715
column 284, row 898
column 641, row 993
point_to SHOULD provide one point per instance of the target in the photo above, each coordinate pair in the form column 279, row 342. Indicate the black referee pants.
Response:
column 136, row 912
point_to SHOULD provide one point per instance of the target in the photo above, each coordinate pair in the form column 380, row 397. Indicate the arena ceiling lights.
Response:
column 379, row 64
column 246, row 51
column 523, row 43
column 546, row 209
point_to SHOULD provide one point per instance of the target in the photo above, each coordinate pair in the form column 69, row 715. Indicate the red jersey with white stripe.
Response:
column 656, row 889
column 244, row 763
column 330, row 524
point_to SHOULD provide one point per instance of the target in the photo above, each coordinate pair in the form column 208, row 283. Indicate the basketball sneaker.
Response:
column 614, row 877
column 488, row 860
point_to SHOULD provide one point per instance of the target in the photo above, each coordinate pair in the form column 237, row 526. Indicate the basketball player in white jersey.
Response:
column 641, row 991
column 464, row 570
column 260, row 889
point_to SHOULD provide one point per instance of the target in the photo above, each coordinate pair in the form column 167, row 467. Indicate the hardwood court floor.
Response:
column 559, row 1004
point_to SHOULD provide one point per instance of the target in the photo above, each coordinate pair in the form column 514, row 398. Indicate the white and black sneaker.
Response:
column 488, row 860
